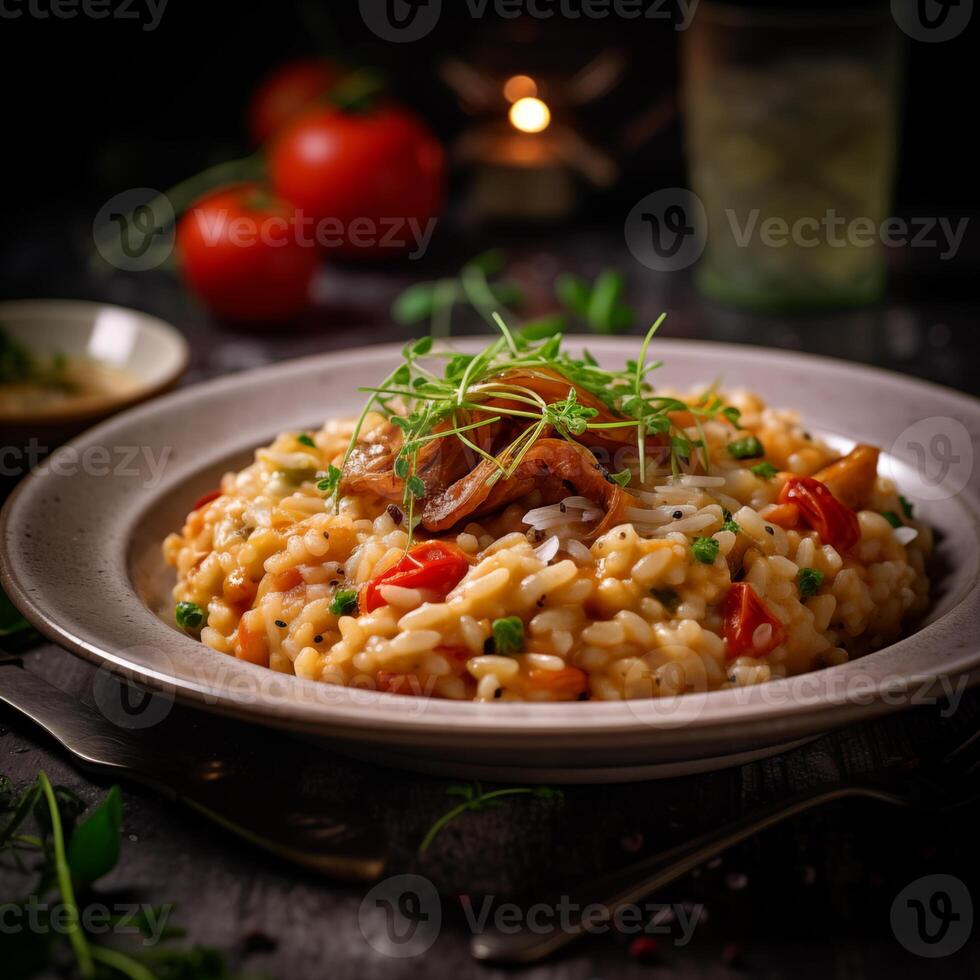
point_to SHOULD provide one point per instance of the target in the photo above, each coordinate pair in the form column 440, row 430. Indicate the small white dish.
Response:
column 147, row 354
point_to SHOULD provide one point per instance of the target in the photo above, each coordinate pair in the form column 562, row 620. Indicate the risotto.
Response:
column 530, row 527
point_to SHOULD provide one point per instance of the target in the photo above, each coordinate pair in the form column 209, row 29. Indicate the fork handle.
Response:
column 596, row 903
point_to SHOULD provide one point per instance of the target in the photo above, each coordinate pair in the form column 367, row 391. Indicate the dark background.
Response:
column 95, row 106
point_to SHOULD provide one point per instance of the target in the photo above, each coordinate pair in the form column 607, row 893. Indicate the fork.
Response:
column 219, row 768
column 952, row 782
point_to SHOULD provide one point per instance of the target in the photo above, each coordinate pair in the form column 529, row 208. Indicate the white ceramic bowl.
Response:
column 153, row 353
column 80, row 556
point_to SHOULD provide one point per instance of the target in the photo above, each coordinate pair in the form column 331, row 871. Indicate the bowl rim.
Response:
column 374, row 714
column 96, row 409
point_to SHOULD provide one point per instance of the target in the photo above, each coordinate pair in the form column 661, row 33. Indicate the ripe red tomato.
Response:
column 374, row 179
column 239, row 253
column 286, row 92
column 432, row 565
column 744, row 613
column 836, row 523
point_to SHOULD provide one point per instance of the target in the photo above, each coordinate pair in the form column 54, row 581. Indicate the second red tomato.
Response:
column 374, row 179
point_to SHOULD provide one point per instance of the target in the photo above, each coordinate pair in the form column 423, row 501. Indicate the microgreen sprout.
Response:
column 437, row 393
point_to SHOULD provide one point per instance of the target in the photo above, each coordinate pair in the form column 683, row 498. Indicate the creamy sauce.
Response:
column 82, row 384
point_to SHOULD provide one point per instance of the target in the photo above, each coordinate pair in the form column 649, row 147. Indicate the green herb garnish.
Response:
column 508, row 635
column 344, row 602
column 705, row 550
column 189, row 615
column 809, row 581
column 437, row 393
column 731, row 525
column 306, row 440
column 18, row 365
column 892, row 518
column 748, row 447
column 765, row 471
column 474, row 798
column 906, row 506
column 329, row 483
column 42, row 833
column 598, row 303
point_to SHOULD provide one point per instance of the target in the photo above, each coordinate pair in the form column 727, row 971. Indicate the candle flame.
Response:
column 530, row 115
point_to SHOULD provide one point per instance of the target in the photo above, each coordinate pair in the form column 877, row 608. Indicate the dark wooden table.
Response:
column 812, row 898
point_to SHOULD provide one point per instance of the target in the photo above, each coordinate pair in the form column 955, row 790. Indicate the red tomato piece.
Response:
column 836, row 523
column 371, row 179
column 744, row 613
column 204, row 500
column 432, row 565
column 286, row 92
column 241, row 252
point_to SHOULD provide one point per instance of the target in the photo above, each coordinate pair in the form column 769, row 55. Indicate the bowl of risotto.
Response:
column 550, row 557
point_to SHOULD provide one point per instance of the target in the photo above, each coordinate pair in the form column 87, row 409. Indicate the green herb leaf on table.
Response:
column 474, row 798
column 93, row 850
